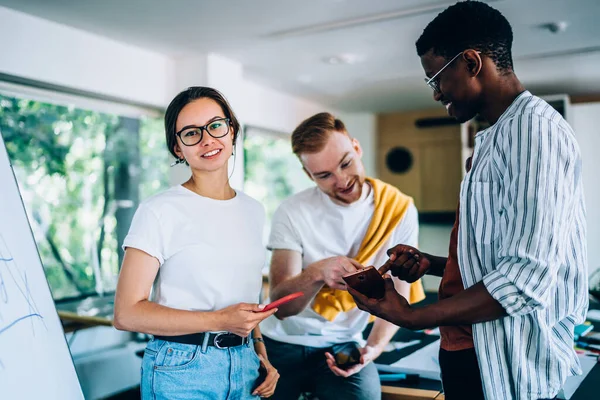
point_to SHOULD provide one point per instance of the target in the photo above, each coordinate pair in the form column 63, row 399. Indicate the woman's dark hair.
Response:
column 469, row 25
column 186, row 97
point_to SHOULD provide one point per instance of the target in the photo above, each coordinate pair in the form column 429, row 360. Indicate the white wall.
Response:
column 255, row 105
column 263, row 107
column 363, row 127
column 434, row 239
column 189, row 71
column 57, row 54
column 587, row 131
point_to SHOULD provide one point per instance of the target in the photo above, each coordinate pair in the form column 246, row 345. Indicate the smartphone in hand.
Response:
column 282, row 300
column 346, row 354
column 367, row 281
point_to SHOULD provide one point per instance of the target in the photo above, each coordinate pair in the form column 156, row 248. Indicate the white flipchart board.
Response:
column 35, row 362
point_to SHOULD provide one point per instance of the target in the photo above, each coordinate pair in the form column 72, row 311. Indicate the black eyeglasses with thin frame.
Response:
column 434, row 83
column 192, row 135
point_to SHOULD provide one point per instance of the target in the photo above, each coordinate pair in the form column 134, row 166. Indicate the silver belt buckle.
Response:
column 216, row 341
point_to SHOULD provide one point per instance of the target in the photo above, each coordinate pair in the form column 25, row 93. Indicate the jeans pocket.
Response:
column 175, row 356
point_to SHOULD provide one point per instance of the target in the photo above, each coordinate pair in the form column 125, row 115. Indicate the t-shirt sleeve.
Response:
column 145, row 234
column 407, row 231
column 283, row 235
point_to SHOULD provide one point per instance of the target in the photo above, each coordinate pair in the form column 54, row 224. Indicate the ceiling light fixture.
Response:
column 556, row 27
column 347, row 58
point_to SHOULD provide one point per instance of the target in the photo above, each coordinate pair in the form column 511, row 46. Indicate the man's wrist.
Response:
column 411, row 319
column 437, row 265
column 314, row 273
column 377, row 348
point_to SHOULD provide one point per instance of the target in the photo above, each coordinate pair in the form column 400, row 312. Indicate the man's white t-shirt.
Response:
column 210, row 251
column 313, row 225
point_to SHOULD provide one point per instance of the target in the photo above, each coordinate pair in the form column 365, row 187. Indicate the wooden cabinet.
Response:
column 436, row 172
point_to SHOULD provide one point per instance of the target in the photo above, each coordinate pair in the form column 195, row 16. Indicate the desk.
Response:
column 423, row 389
column 73, row 321
column 588, row 389
column 86, row 313
column 403, row 393
column 590, row 386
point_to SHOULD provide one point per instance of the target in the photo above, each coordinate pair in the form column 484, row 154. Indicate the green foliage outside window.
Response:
column 81, row 174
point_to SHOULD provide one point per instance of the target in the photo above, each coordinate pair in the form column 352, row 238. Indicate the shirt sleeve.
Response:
column 145, row 234
column 539, row 166
column 283, row 235
column 407, row 231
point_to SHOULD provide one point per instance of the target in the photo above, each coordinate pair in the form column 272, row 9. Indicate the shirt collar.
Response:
column 514, row 106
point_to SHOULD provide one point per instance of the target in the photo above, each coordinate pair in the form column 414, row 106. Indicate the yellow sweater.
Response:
column 390, row 207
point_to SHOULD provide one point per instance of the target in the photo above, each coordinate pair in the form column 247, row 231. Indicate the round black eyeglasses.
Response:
column 192, row 135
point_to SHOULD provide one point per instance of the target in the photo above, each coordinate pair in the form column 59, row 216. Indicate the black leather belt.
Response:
column 220, row 340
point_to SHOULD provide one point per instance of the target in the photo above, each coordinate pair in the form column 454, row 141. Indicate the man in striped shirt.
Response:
column 514, row 284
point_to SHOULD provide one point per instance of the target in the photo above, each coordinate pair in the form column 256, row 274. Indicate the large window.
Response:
column 82, row 172
column 272, row 172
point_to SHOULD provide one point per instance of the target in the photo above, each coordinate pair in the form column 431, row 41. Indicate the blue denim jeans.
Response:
column 175, row 371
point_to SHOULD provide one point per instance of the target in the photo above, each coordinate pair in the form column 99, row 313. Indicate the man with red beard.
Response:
column 318, row 236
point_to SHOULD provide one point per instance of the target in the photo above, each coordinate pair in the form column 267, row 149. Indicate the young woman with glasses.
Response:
column 198, row 247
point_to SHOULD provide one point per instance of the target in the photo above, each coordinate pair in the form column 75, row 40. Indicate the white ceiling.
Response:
column 282, row 44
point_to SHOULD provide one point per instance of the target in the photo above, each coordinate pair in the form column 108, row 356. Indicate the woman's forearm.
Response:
column 259, row 344
column 155, row 319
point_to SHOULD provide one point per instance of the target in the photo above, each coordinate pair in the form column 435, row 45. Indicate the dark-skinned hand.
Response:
column 392, row 307
column 406, row 263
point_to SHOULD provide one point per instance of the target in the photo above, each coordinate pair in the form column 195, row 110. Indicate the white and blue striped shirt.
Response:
column 522, row 232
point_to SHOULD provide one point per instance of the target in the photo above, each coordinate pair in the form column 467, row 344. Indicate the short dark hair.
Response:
column 186, row 97
column 312, row 133
column 469, row 25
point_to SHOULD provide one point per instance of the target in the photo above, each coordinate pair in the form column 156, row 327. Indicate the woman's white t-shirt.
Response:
column 210, row 251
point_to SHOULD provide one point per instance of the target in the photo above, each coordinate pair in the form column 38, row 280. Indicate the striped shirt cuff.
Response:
column 507, row 294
